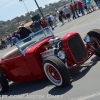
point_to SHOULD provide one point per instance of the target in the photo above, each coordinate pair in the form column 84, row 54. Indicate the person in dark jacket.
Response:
column 37, row 25
column 23, row 32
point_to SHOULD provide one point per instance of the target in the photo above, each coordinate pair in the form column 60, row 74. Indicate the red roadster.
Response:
column 44, row 55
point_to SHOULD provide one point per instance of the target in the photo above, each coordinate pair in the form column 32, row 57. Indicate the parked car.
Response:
column 43, row 54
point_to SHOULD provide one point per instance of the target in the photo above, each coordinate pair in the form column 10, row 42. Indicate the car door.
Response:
column 16, row 69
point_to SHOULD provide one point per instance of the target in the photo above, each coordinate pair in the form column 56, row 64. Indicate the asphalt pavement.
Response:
column 85, row 80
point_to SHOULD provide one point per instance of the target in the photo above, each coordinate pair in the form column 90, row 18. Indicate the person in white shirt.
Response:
column 53, row 20
column 67, row 12
column 57, row 13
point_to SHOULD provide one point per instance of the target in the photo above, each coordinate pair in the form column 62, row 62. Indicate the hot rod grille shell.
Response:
column 77, row 48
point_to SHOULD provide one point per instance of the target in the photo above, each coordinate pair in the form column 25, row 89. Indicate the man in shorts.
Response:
column 76, row 8
column 67, row 12
column 89, row 6
column 80, row 7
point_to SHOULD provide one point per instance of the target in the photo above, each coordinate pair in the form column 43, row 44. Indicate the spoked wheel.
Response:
column 53, row 74
column 56, row 71
column 95, row 36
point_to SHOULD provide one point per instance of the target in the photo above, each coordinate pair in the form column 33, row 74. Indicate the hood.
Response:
column 38, row 45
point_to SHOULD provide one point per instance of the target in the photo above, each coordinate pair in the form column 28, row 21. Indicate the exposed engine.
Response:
column 55, row 48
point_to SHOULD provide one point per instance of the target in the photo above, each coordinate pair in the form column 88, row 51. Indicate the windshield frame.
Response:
column 33, row 34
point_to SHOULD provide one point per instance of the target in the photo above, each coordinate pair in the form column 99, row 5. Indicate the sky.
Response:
column 10, row 9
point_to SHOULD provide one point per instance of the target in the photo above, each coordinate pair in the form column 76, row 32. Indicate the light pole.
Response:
column 25, row 5
column 39, row 8
column 36, row 4
column 27, row 10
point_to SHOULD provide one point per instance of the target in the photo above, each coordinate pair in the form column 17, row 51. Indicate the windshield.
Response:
column 24, row 44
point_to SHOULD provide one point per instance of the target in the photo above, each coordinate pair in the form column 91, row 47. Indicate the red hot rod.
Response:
column 44, row 55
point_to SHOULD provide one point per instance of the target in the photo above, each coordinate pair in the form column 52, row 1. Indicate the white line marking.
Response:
column 87, row 97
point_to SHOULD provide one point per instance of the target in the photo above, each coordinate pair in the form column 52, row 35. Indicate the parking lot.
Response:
column 85, row 80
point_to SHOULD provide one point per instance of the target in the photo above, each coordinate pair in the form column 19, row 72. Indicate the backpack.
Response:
column 49, row 19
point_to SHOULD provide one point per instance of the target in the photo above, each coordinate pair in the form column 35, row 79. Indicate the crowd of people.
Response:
column 16, row 36
column 21, row 33
column 8, row 40
column 76, row 9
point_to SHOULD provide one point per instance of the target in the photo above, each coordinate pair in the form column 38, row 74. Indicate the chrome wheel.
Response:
column 56, row 71
column 53, row 74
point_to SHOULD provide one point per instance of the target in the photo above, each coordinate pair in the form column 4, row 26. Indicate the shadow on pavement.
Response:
column 84, row 69
column 60, row 91
column 32, row 86
column 76, row 75
column 27, row 87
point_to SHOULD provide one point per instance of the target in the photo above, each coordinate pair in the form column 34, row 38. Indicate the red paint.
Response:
column 29, row 67
column 26, row 68
column 71, row 62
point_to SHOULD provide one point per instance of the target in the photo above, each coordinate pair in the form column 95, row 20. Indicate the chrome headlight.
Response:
column 61, row 55
column 87, row 38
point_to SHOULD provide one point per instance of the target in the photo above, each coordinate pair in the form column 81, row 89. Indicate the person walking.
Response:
column 50, row 22
column 73, row 12
column 57, row 13
column 63, row 14
column 80, row 7
column 76, row 8
column 53, row 20
column 60, row 18
column 67, row 12
column 89, row 6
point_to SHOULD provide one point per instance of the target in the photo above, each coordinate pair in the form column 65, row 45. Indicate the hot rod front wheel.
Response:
column 56, row 71
column 3, row 84
column 95, row 33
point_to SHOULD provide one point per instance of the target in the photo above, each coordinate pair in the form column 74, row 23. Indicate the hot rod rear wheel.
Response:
column 56, row 71
column 3, row 84
column 96, row 34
